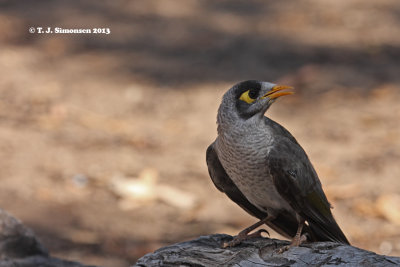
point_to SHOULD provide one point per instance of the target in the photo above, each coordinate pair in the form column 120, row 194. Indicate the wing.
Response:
column 284, row 223
column 298, row 183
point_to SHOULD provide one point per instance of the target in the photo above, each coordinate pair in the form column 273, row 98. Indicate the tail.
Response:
column 327, row 231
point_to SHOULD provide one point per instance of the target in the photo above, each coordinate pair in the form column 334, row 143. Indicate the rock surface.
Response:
column 207, row 251
column 20, row 248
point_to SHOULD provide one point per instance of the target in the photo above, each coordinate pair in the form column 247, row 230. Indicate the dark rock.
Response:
column 207, row 251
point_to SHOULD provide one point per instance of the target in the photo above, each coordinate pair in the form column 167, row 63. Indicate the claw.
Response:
column 242, row 236
column 295, row 243
column 257, row 234
column 283, row 249
column 263, row 231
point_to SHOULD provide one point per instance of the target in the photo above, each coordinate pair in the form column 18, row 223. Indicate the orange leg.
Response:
column 298, row 239
column 244, row 235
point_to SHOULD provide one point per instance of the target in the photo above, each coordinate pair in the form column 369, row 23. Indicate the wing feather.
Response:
column 298, row 183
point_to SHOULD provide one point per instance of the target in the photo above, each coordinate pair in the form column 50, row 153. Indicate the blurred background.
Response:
column 103, row 137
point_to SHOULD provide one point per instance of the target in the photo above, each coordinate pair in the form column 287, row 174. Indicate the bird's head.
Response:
column 251, row 97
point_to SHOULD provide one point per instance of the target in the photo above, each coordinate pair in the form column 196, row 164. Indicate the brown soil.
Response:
column 103, row 137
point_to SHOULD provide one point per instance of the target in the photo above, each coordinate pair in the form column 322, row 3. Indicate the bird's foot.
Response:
column 242, row 236
column 295, row 243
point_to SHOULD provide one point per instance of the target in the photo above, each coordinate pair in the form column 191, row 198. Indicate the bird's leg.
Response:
column 244, row 235
column 297, row 239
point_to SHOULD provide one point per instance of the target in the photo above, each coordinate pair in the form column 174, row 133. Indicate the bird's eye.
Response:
column 248, row 97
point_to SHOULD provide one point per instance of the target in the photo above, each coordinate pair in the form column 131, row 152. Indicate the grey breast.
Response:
column 242, row 151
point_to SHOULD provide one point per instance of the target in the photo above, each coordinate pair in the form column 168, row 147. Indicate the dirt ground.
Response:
column 103, row 137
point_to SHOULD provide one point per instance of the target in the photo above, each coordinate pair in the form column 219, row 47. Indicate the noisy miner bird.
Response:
column 259, row 165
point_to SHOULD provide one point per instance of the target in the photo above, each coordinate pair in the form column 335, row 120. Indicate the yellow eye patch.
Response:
column 246, row 97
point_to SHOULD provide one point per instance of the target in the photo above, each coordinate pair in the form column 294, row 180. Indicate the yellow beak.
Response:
column 276, row 91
